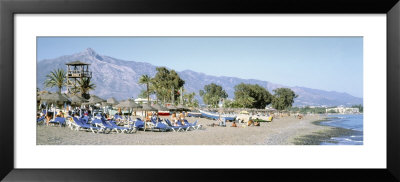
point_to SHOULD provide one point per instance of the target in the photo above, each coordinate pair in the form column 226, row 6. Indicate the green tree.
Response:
column 56, row 78
column 166, row 84
column 232, row 104
column 189, row 99
column 360, row 107
column 252, row 96
column 145, row 79
column 85, row 86
column 283, row 98
column 332, row 111
column 143, row 94
column 195, row 103
column 212, row 94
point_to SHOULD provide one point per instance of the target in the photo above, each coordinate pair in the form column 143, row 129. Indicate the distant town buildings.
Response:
column 343, row 110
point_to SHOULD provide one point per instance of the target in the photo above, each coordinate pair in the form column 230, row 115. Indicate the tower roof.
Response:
column 76, row 63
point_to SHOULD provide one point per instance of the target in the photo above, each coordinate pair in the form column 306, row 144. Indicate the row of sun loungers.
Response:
column 101, row 125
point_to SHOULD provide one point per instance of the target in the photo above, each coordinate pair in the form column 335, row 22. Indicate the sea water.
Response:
column 352, row 122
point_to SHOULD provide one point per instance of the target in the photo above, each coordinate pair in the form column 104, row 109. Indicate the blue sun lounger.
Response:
column 120, row 128
column 80, row 125
column 58, row 120
column 184, row 127
column 139, row 124
column 41, row 120
column 193, row 125
column 174, row 128
column 162, row 127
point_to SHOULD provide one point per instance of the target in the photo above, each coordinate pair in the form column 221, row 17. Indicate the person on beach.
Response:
column 174, row 119
column 155, row 116
column 250, row 122
column 222, row 121
column 182, row 118
column 60, row 114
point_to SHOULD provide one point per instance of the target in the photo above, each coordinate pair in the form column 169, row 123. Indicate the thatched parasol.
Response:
column 159, row 107
column 147, row 107
column 94, row 100
column 112, row 101
column 76, row 100
column 180, row 107
column 172, row 108
column 55, row 98
column 128, row 104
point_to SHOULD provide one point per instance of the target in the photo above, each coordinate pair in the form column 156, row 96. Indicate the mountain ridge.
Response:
column 119, row 78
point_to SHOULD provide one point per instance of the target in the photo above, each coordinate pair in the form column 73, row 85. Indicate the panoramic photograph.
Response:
column 199, row 91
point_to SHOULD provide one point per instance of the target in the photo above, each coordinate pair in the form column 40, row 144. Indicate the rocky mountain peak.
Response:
column 119, row 79
column 90, row 52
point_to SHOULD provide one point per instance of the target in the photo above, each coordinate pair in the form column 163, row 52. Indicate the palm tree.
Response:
column 145, row 79
column 56, row 78
column 84, row 86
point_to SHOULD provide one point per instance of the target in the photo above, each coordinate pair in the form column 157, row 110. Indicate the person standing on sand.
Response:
column 222, row 121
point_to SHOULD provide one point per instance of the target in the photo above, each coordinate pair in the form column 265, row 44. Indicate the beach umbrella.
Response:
column 147, row 107
column 112, row 101
column 55, row 98
column 172, row 108
column 95, row 99
column 76, row 100
column 180, row 107
column 129, row 104
column 159, row 107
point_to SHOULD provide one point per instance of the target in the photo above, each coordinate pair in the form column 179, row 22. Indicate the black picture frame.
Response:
column 9, row 8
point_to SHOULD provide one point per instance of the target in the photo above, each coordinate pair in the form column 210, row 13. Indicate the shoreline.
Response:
column 281, row 131
column 322, row 136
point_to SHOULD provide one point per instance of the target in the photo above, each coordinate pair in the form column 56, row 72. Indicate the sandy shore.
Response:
column 281, row 131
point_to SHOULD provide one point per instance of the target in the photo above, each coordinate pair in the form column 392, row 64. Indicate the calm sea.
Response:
column 352, row 122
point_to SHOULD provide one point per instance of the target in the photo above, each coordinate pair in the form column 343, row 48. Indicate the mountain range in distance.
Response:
column 119, row 79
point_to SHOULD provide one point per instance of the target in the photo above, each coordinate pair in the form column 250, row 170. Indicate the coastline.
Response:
column 322, row 136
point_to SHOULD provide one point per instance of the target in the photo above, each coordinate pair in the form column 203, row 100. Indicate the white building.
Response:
column 343, row 110
column 142, row 100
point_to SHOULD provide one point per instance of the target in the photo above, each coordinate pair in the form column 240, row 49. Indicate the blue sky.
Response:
column 328, row 63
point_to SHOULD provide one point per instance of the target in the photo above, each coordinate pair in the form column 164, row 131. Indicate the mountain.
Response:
column 118, row 78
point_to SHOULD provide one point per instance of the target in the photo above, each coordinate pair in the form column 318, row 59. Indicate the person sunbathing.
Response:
column 181, row 116
column 182, row 121
column 174, row 119
column 148, row 119
column 60, row 114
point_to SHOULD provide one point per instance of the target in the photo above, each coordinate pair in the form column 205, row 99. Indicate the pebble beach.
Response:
column 281, row 131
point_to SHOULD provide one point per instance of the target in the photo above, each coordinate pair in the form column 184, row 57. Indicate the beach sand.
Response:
column 281, row 131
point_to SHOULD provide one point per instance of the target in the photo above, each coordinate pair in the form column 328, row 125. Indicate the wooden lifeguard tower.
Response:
column 76, row 71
